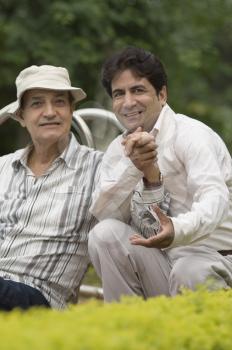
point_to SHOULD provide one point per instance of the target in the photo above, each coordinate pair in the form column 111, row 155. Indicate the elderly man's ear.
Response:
column 19, row 116
column 73, row 106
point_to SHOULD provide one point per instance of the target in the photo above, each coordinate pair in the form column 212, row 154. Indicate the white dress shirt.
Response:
column 121, row 193
column 197, row 171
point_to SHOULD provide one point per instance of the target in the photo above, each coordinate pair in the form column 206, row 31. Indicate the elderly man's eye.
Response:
column 36, row 103
column 61, row 102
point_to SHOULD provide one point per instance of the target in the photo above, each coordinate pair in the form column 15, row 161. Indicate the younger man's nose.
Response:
column 129, row 100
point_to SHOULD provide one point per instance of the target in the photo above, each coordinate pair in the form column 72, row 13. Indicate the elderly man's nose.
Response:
column 49, row 109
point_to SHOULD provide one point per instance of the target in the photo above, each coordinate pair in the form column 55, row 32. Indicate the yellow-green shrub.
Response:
column 195, row 320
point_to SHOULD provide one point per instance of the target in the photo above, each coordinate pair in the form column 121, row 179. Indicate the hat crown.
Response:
column 41, row 77
column 44, row 77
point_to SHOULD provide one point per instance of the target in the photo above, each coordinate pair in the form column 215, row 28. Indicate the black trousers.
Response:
column 16, row 294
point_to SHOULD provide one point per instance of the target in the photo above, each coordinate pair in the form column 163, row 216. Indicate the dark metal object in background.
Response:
column 84, row 125
column 86, row 292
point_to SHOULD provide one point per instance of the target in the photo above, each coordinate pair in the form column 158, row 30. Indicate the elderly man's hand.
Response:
column 140, row 147
column 163, row 239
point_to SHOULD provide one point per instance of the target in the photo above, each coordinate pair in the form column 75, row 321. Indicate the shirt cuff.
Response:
column 179, row 238
column 153, row 195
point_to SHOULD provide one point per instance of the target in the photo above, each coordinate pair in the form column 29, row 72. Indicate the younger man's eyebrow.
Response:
column 137, row 86
column 131, row 87
column 117, row 90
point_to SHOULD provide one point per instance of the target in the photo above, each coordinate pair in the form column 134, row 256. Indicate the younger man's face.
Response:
column 135, row 101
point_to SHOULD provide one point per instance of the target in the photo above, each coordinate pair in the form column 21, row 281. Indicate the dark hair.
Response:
column 141, row 62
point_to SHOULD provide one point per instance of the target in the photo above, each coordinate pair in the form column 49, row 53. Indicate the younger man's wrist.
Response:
column 151, row 184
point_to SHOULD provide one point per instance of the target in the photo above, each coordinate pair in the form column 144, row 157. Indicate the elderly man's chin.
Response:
column 53, row 137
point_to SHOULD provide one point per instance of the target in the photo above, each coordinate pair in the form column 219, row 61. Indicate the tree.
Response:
column 193, row 39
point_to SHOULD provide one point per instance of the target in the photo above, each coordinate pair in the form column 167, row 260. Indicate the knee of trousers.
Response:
column 107, row 232
column 187, row 274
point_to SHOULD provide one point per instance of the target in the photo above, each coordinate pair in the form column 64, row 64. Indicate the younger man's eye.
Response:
column 139, row 90
column 117, row 94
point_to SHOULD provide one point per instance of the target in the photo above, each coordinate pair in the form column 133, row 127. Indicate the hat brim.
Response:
column 10, row 110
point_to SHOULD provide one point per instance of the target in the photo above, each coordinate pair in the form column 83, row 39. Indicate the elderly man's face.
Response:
column 47, row 115
column 135, row 101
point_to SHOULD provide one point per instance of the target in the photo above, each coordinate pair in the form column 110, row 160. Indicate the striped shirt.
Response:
column 44, row 221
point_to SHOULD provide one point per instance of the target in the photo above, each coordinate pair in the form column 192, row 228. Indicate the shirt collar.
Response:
column 158, row 124
column 165, row 125
column 67, row 155
column 21, row 156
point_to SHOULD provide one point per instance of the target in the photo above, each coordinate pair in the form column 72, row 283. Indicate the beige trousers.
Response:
column 127, row 269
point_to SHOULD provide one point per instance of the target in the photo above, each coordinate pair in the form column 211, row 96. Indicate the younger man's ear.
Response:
column 163, row 95
column 19, row 117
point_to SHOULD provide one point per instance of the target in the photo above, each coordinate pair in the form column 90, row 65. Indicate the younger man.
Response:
column 194, row 245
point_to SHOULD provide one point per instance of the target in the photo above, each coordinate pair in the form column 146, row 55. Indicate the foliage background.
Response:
column 192, row 38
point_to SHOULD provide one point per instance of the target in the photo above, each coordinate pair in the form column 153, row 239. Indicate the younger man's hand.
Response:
column 163, row 239
column 140, row 147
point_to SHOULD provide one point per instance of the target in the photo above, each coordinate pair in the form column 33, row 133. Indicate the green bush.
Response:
column 195, row 320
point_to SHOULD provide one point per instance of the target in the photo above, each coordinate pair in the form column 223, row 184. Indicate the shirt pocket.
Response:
column 67, row 210
column 65, row 190
column 72, row 199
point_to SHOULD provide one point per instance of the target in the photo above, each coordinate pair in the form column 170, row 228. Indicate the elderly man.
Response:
column 194, row 244
column 45, row 193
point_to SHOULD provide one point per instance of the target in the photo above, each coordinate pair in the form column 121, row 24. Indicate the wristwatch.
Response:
column 153, row 184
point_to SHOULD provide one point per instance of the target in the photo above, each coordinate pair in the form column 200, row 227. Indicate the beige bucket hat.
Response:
column 41, row 77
